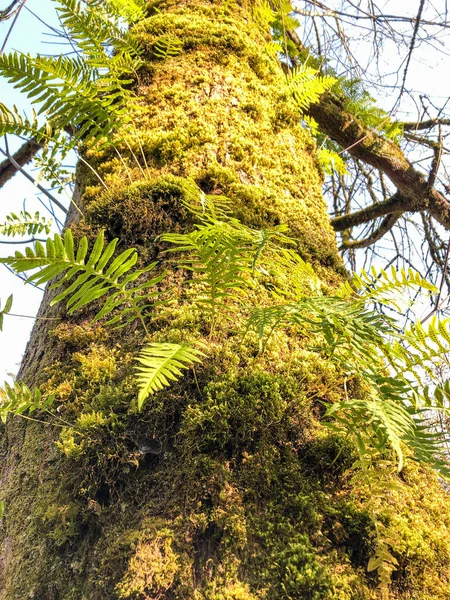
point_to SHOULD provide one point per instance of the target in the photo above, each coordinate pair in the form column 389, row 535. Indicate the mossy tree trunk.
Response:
column 225, row 486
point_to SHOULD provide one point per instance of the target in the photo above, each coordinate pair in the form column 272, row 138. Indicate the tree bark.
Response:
column 225, row 486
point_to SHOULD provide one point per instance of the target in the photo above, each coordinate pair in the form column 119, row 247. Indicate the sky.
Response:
column 19, row 194
column 428, row 73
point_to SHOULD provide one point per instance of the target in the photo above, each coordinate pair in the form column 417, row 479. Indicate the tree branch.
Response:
column 8, row 11
column 394, row 204
column 428, row 124
column 385, row 226
column 413, row 192
column 366, row 145
column 23, row 156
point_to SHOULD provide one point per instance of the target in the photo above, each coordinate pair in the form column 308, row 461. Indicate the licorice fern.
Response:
column 306, row 85
column 88, row 276
column 369, row 348
column 5, row 310
column 167, row 46
column 25, row 224
column 86, row 96
column 162, row 363
column 18, row 398
column 12, row 122
column 98, row 31
column 131, row 11
column 387, row 287
column 222, row 253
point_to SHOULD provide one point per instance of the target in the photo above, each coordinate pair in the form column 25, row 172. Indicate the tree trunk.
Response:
column 225, row 486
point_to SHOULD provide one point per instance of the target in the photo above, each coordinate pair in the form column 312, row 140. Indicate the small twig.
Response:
column 438, row 299
column 31, row 317
column 33, row 181
column 16, row 16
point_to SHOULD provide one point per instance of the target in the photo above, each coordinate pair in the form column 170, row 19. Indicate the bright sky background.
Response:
column 18, row 193
column 428, row 73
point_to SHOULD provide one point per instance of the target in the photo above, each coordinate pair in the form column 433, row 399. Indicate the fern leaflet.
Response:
column 161, row 364
column 19, row 398
column 306, row 86
column 25, row 224
column 5, row 310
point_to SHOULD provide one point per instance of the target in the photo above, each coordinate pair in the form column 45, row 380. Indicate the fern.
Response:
column 216, row 253
column 5, row 310
column 221, row 252
column 263, row 14
column 97, row 31
column 25, row 224
column 385, row 287
column 389, row 421
column 331, row 161
column 363, row 343
column 420, row 349
column 19, row 398
column 306, row 85
column 132, row 11
column 360, row 103
column 86, row 95
column 89, row 276
column 12, row 122
column 76, row 102
column 293, row 277
column 273, row 48
column 167, row 46
column 161, row 364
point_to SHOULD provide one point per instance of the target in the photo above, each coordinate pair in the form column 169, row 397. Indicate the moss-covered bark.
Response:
column 225, row 486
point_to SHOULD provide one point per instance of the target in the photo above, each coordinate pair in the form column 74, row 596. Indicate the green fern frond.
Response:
column 331, row 161
column 88, row 276
column 86, row 95
column 273, row 48
column 347, row 331
column 388, row 287
column 263, row 14
column 132, row 11
column 388, row 420
column 5, row 310
column 216, row 253
column 265, row 320
column 306, row 86
column 224, row 254
column 25, row 224
column 65, row 92
column 19, row 398
column 95, row 29
column 12, row 122
column 293, row 277
column 420, row 349
column 360, row 103
column 167, row 46
column 161, row 364
column 205, row 206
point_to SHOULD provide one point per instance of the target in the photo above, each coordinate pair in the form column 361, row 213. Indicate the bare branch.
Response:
column 411, row 48
column 386, row 225
column 23, row 156
column 428, row 124
column 376, row 18
column 397, row 203
column 34, row 182
column 9, row 11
